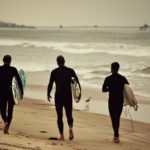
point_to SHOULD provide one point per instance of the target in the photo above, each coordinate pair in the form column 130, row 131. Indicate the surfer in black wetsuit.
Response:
column 63, row 95
column 114, row 84
column 6, row 97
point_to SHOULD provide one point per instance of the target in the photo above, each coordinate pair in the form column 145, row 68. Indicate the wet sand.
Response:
column 35, row 121
column 98, row 103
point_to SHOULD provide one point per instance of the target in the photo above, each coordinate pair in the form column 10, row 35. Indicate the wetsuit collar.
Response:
column 115, row 73
column 61, row 66
column 6, row 65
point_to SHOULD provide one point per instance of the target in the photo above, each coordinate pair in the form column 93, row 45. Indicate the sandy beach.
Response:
column 35, row 121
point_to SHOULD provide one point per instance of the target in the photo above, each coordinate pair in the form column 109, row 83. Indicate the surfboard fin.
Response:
column 135, row 107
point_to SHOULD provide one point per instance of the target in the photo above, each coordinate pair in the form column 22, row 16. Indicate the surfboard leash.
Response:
column 131, row 121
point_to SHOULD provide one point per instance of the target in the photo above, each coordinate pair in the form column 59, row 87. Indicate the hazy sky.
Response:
column 75, row 12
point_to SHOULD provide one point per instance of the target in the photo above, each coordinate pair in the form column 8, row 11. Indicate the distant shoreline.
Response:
column 13, row 25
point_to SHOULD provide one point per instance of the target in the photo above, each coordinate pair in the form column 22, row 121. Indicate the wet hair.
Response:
column 115, row 66
column 7, row 59
column 60, row 60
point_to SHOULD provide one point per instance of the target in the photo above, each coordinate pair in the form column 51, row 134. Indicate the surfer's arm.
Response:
column 105, row 87
column 50, row 85
column 18, row 80
column 125, row 81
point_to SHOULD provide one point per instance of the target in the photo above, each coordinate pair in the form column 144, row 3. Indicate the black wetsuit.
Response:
column 6, row 97
column 114, row 84
column 63, row 95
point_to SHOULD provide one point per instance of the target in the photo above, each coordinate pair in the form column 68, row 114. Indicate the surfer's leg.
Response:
column 68, row 109
column 118, row 114
column 10, row 111
column 115, row 123
column 115, row 128
column 115, row 113
column 3, row 106
column 9, row 116
column 59, row 110
column 112, row 113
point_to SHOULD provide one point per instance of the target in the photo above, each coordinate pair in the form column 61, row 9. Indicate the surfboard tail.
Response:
column 75, row 90
column 129, row 97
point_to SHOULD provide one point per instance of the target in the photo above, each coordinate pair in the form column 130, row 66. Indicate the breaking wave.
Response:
column 83, row 48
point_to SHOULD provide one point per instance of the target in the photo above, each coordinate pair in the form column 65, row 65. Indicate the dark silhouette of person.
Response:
column 6, row 97
column 63, row 95
column 114, row 84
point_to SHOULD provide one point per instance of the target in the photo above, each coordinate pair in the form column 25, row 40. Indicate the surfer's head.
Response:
column 60, row 60
column 7, row 59
column 115, row 67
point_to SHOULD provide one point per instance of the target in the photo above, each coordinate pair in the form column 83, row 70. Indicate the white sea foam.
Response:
column 83, row 48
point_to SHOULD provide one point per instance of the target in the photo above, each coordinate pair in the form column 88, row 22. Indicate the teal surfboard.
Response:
column 15, row 88
column 22, row 77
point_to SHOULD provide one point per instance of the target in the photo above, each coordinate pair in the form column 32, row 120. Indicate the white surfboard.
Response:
column 17, row 95
column 16, row 91
column 129, row 97
column 75, row 90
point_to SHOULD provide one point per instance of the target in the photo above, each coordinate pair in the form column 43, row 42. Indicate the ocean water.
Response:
column 90, row 51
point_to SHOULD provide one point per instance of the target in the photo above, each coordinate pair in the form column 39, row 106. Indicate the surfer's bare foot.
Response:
column 116, row 140
column 71, row 135
column 61, row 138
column 6, row 128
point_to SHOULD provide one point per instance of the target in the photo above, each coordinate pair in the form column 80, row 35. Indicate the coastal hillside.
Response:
column 13, row 25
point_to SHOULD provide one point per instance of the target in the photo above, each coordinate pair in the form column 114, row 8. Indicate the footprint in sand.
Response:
column 78, row 148
column 37, row 148
column 106, row 139
column 29, row 143
column 27, row 124
column 43, row 132
column 28, row 136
